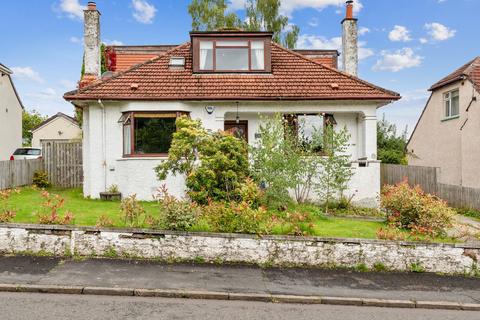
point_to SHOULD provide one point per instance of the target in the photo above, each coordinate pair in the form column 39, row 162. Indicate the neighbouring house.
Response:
column 59, row 127
column 447, row 134
column 229, row 80
column 11, row 109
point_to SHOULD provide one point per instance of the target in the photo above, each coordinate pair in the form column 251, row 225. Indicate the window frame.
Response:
column 130, row 116
column 266, row 53
column 448, row 116
column 292, row 119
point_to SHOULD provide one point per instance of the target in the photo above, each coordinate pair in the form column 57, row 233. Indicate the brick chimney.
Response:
column 92, row 44
column 350, row 41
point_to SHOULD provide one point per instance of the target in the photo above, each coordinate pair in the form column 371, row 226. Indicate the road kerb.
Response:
column 470, row 306
column 342, row 301
column 258, row 297
column 250, row 297
column 388, row 303
column 439, row 305
column 282, row 298
column 108, row 291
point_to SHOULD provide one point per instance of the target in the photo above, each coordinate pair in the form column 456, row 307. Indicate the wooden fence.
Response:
column 18, row 173
column 428, row 179
column 63, row 163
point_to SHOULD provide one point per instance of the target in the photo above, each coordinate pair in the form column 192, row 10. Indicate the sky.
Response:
column 405, row 45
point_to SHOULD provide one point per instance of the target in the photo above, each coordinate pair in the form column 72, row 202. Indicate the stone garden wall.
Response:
column 234, row 248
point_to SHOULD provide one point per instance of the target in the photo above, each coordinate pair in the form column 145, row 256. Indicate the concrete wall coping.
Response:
column 160, row 233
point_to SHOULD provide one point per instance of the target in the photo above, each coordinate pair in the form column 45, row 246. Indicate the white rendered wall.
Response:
column 10, row 119
column 50, row 131
column 105, row 165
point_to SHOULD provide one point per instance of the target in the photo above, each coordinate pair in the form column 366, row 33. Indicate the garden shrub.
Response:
column 411, row 208
column 234, row 217
column 215, row 163
column 132, row 211
column 40, row 179
column 104, row 221
column 176, row 214
column 251, row 193
column 6, row 215
column 49, row 213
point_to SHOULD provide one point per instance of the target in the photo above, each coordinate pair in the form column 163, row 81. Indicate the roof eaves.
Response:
column 55, row 116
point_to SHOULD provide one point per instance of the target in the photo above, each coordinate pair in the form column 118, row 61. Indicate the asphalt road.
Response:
column 29, row 306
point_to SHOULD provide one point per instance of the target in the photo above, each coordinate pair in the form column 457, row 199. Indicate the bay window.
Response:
column 148, row 133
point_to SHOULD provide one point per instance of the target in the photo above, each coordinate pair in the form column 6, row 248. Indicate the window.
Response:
column 147, row 133
column 232, row 55
column 452, row 103
column 309, row 126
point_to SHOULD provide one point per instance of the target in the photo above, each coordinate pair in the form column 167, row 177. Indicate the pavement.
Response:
column 27, row 306
column 237, row 282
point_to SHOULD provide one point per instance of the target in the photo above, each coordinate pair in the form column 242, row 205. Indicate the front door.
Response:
column 239, row 130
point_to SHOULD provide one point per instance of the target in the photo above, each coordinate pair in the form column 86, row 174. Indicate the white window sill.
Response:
column 451, row 118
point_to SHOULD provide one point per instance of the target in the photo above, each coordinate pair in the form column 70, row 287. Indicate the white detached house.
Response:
column 229, row 80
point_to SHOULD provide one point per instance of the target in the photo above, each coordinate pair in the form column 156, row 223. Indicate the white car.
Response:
column 26, row 153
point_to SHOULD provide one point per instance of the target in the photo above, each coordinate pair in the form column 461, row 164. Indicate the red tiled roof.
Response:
column 122, row 58
column 470, row 71
column 293, row 77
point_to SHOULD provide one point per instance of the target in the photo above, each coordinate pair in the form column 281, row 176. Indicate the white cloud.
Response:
column 399, row 33
column 306, row 41
column 72, row 8
column 46, row 94
column 395, row 61
column 75, row 40
column 26, row 73
column 423, row 40
column 143, row 11
column 363, row 30
column 112, row 42
column 439, row 32
column 289, row 6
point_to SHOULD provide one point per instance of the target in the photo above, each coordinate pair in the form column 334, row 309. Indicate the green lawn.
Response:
column 27, row 204
column 87, row 211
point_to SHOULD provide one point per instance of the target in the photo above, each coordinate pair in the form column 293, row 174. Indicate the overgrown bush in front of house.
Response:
column 40, row 179
column 215, row 164
column 283, row 161
column 234, row 217
column 411, row 208
column 176, row 214
column 132, row 211
column 50, row 207
column 280, row 163
column 336, row 169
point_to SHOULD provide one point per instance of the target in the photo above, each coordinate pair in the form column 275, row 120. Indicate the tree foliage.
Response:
column 215, row 163
column 261, row 15
column 282, row 162
column 336, row 169
column 264, row 15
column 391, row 147
column 211, row 15
column 30, row 120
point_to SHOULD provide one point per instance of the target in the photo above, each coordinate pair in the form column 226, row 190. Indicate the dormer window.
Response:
column 232, row 55
column 231, row 52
